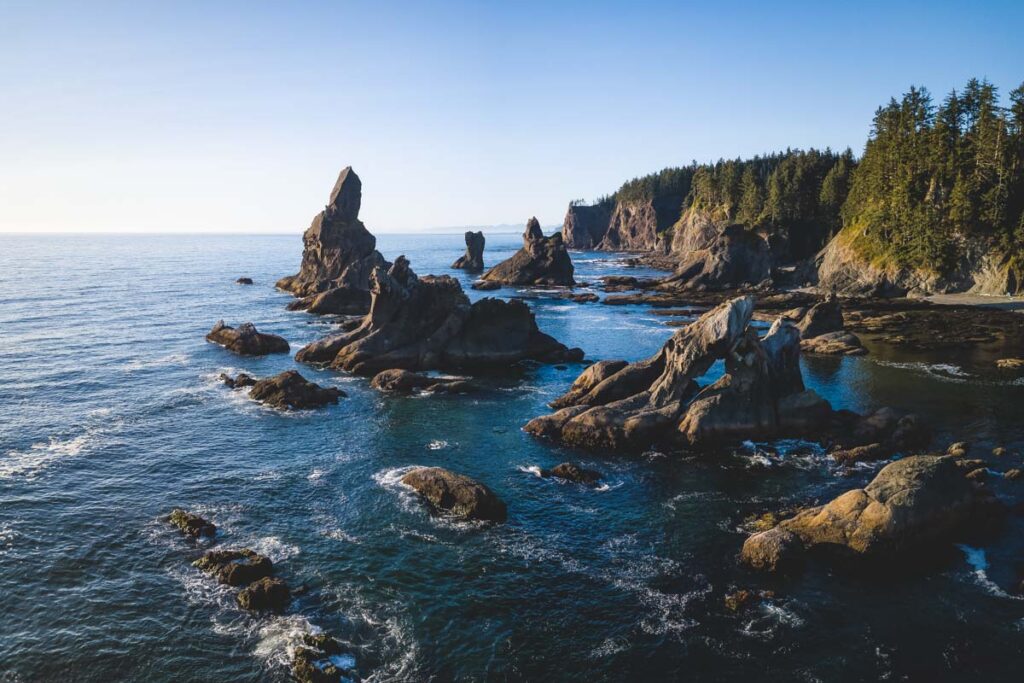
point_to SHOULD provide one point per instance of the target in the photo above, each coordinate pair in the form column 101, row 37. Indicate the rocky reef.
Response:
column 192, row 524
column 615, row 404
column 338, row 255
column 541, row 261
column 246, row 340
column 428, row 324
column 291, row 391
column 912, row 505
column 456, row 494
column 406, row 382
column 473, row 260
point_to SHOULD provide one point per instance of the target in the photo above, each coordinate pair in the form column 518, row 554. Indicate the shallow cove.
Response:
column 112, row 415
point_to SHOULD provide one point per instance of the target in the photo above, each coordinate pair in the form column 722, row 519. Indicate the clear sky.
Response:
column 237, row 117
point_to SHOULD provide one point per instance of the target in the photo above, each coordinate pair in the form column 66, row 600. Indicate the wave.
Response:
column 149, row 363
column 29, row 463
column 946, row 372
column 978, row 562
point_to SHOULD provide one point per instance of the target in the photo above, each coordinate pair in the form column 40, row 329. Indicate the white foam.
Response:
column 976, row 558
column 30, row 462
column 274, row 548
column 146, row 363
column 530, row 469
column 437, row 445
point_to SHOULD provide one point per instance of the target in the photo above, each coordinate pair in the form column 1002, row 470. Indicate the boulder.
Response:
column 265, row 594
column 339, row 253
column 570, row 471
column 192, row 524
column 428, row 324
column 320, row 659
column 913, row 504
column 473, row 260
column 243, row 281
column 291, row 391
column 407, row 382
column 821, row 330
column 736, row 257
column 840, row 343
column 877, row 435
column 541, row 261
column 614, row 404
column 485, row 285
column 246, row 340
column 239, row 381
column 456, row 494
column 1010, row 363
column 774, row 550
column 235, row 567
column 341, row 300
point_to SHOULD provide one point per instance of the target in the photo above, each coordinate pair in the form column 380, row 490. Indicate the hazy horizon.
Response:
column 232, row 118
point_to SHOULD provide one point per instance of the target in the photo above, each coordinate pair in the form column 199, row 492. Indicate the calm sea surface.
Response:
column 111, row 415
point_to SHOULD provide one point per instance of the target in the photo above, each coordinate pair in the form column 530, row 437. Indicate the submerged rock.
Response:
column 339, row 254
column 243, row 281
column 320, row 659
column 473, row 260
column 614, row 404
column 239, row 381
column 246, row 340
column 570, row 471
column 428, row 324
column 541, row 261
column 235, row 567
column 456, row 494
column 192, row 524
column 406, row 382
column 912, row 504
column 291, row 391
column 267, row 593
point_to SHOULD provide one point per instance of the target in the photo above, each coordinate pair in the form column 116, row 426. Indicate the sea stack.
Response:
column 338, row 256
column 541, row 261
column 473, row 260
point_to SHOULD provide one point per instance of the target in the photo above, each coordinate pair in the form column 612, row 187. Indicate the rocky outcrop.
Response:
column 614, row 404
column 406, row 382
column 586, row 226
column 822, row 332
column 239, row 381
column 235, row 567
column 192, row 524
column 623, row 225
column 321, row 659
column 291, row 391
column 570, row 471
column 266, row 594
column 338, row 253
column 911, row 505
column 243, row 281
column 456, row 494
column 735, row 257
column 1016, row 364
column 343, row 300
column 878, row 435
column 246, row 340
column 428, row 324
column 473, row 260
column 541, row 261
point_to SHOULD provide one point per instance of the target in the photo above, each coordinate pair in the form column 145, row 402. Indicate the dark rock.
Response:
column 291, row 391
column 241, row 380
column 245, row 340
column 821, row 330
column 486, row 285
column 879, row 435
column 265, row 594
column 584, row 298
column 614, row 404
column 834, row 344
column 1010, row 363
column 320, row 660
column 473, row 260
column 541, row 261
column 406, row 382
column 235, row 567
column 585, row 226
column 734, row 258
column 428, row 324
column 339, row 252
column 570, row 471
column 456, row 494
column 244, row 281
column 341, row 300
column 192, row 524
column 741, row 599
column 1013, row 474
column 912, row 504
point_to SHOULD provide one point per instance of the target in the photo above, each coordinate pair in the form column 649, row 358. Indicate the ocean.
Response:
column 111, row 414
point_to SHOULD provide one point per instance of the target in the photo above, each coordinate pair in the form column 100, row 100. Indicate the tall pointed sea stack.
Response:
column 541, row 261
column 338, row 256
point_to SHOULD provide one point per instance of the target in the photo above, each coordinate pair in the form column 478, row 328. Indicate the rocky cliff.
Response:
column 637, row 225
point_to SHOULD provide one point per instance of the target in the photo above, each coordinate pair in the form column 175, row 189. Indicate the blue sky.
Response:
column 236, row 117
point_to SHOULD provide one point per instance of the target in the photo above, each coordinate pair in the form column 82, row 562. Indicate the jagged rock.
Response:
column 741, row 599
column 339, row 253
column 456, row 494
column 320, row 659
column 614, row 404
column 268, row 593
column 239, row 381
column 428, row 324
column 585, row 226
column 912, row 504
column 235, row 567
column 473, row 260
column 192, row 524
column 541, row 261
column 821, row 330
column 736, row 257
column 570, row 471
column 243, row 281
column 406, row 382
column 343, row 300
column 486, row 285
column 246, row 340
column 291, row 391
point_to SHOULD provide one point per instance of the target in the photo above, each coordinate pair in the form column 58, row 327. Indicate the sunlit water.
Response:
column 111, row 415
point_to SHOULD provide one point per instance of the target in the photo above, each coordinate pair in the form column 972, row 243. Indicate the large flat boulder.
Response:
column 456, row 494
column 291, row 391
column 246, row 340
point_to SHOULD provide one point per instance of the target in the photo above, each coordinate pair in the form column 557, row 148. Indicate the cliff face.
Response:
column 624, row 226
column 338, row 250
column 585, row 226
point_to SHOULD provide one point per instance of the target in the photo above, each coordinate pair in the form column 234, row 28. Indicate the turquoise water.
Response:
column 111, row 415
